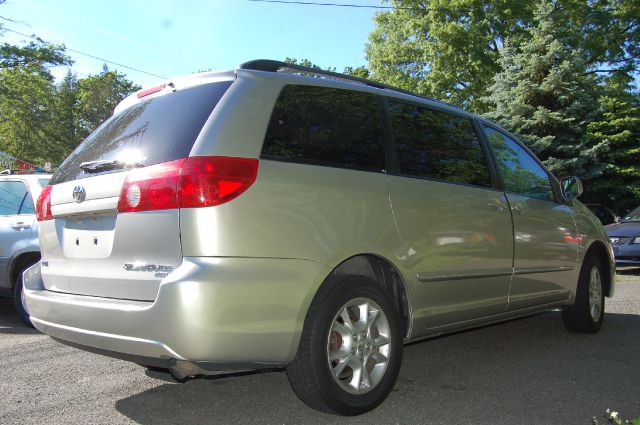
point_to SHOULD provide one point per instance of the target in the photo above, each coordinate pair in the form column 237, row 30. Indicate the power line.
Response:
column 417, row 9
column 359, row 6
column 33, row 37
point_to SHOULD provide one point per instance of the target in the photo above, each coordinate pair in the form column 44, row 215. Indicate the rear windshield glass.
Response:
column 158, row 130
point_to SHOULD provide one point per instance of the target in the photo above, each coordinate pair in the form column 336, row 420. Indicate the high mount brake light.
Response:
column 43, row 205
column 149, row 91
column 193, row 182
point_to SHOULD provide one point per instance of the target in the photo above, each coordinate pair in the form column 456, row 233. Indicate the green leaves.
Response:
column 34, row 57
column 97, row 96
column 41, row 121
column 544, row 69
column 445, row 49
column 618, row 126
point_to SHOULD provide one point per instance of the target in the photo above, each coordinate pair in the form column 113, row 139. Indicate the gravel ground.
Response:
column 528, row 371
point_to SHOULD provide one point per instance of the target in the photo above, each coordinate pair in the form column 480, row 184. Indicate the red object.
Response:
column 152, row 90
column 194, row 182
column 43, row 205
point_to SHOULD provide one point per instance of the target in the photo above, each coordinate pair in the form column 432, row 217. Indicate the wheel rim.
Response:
column 359, row 346
column 595, row 294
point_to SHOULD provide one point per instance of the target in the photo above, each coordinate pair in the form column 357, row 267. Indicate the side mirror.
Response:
column 571, row 187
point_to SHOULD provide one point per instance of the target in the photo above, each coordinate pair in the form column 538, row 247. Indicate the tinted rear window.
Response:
column 327, row 126
column 158, row 130
column 437, row 145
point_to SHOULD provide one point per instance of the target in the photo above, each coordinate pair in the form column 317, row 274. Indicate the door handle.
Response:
column 20, row 225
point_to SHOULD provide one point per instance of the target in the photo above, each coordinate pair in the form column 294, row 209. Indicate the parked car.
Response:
column 18, row 232
column 604, row 214
column 625, row 237
column 282, row 216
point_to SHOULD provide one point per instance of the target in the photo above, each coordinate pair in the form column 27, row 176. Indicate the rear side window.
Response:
column 437, row 145
column 158, row 130
column 521, row 173
column 15, row 198
column 326, row 126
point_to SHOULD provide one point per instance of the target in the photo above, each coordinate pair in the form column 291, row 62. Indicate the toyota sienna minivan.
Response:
column 276, row 216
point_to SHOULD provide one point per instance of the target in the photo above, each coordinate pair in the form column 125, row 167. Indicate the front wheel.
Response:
column 351, row 347
column 587, row 314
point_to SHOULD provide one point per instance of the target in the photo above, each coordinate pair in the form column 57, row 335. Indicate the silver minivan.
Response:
column 276, row 216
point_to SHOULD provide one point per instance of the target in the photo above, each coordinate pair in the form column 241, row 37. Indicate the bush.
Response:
column 612, row 418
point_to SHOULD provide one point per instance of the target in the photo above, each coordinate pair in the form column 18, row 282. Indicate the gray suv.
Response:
column 18, row 232
column 276, row 216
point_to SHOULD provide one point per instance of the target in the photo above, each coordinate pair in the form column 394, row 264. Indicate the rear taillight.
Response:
column 194, row 182
column 213, row 180
column 43, row 205
column 151, row 188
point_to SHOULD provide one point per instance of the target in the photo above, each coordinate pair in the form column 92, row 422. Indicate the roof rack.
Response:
column 279, row 66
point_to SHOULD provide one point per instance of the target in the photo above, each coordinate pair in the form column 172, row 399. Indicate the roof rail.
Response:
column 279, row 66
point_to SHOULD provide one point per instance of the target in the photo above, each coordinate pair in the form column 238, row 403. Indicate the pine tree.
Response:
column 545, row 94
column 65, row 113
column 619, row 127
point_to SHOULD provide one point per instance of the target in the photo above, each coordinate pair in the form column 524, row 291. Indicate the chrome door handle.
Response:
column 20, row 225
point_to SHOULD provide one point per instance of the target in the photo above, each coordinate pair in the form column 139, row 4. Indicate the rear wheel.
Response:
column 587, row 314
column 19, row 300
column 351, row 347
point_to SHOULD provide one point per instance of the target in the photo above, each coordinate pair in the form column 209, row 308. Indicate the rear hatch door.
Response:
column 90, row 248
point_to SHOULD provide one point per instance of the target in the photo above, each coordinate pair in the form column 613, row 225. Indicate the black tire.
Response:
column 18, row 302
column 579, row 318
column 310, row 373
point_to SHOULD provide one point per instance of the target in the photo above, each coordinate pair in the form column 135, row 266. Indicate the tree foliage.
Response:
column 41, row 120
column 98, row 95
column 27, row 92
column 545, row 94
column 445, row 49
column 618, row 125
column 449, row 49
column 561, row 74
column 360, row 71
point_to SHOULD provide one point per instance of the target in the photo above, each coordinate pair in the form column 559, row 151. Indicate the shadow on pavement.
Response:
column 524, row 371
column 10, row 323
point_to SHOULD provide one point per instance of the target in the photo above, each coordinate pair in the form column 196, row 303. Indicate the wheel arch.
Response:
column 599, row 250
column 383, row 271
column 19, row 262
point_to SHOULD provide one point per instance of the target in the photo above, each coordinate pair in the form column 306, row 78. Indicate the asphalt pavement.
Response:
column 527, row 371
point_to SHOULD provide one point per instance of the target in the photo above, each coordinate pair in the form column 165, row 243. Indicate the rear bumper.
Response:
column 211, row 310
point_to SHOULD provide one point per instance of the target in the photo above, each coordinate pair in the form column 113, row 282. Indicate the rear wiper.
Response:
column 108, row 165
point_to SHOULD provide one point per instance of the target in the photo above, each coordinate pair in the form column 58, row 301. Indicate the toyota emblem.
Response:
column 79, row 194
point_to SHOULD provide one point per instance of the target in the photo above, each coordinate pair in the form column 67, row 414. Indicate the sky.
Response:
column 170, row 38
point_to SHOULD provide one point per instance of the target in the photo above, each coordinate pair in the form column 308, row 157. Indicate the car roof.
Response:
column 292, row 72
column 28, row 177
